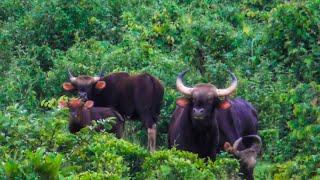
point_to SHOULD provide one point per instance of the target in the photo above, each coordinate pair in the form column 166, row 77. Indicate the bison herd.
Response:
column 204, row 122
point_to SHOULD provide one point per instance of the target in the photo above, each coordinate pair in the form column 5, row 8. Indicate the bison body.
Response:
column 204, row 124
column 194, row 125
column 82, row 115
column 184, row 134
column 239, row 123
column 134, row 96
column 235, row 123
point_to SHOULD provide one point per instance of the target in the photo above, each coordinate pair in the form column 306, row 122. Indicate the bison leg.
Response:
column 150, row 124
column 119, row 129
column 152, row 134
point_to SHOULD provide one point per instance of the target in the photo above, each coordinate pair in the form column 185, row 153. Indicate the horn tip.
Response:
column 183, row 73
column 232, row 75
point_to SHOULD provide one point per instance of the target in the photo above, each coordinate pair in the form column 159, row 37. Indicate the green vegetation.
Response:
column 273, row 47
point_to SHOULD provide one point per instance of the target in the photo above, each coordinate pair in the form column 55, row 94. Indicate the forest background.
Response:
column 273, row 47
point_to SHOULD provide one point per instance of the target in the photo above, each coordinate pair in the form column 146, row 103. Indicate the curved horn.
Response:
column 103, row 67
column 182, row 88
column 97, row 78
column 256, row 137
column 235, row 146
column 231, row 88
column 258, row 140
column 71, row 77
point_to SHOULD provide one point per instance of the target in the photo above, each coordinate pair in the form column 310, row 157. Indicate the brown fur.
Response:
column 82, row 115
column 135, row 96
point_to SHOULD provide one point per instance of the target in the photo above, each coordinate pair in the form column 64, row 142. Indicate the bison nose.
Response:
column 198, row 113
column 198, row 110
column 74, row 114
column 83, row 95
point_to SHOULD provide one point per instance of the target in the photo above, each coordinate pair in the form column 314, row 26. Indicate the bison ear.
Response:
column 227, row 147
column 225, row 104
column 100, row 85
column 182, row 102
column 88, row 104
column 67, row 86
column 63, row 104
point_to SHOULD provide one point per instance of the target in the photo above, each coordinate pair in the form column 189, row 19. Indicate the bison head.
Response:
column 204, row 96
column 75, row 107
column 85, row 85
column 248, row 156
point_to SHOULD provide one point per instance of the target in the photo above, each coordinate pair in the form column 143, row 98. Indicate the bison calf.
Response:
column 247, row 156
column 82, row 114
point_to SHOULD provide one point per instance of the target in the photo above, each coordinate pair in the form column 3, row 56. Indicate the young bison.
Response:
column 82, row 114
column 247, row 155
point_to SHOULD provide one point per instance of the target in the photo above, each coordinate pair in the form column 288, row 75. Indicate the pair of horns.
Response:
column 220, row 92
column 96, row 78
column 238, row 141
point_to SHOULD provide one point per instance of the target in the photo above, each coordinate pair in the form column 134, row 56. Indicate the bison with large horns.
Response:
column 203, row 123
column 135, row 96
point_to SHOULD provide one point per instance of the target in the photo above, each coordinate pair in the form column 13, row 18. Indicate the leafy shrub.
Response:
column 45, row 138
column 87, row 154
column 292, row 37
column 11, row 10
column 304, row 130
column 175, row 164
column 271, row 46
column 57, row 23
column 38, row 164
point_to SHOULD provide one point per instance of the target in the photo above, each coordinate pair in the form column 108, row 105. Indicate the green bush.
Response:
column 175, row 164
column 292, row 38
column 42, row 148
column 271, row 46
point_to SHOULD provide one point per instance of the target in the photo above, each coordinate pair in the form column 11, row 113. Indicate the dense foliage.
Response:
column 273, row 47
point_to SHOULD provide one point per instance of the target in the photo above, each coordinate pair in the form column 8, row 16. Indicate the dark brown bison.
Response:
column 194, row 125
column 135, row 96
column 200, row 136
column 203, row 123
column 82, row 114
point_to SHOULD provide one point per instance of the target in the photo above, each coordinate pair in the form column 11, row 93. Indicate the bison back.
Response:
column 98, row 113
column 237, row 121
